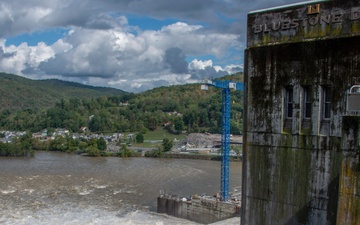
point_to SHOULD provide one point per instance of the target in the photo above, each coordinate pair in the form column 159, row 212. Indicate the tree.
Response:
column 101, row 144
column 56, row 117
column 178, row 124
column 26, row 144
column 92, row 142
column 95, row 123
column 73, row 144
column 92, row 151
column 4, row 149
column 235, row 128
column 143, row 111
column 167, row 144
column 155, row 153
column 125, row 152
column 238, row 151
column 82, row 146
column 58, row 144
column 39, row 145
column 139, row 138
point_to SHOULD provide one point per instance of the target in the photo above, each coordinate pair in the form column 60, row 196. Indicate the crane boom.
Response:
column 226, row 86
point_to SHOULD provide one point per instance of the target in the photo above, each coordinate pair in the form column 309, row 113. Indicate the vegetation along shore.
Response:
column 69, row 117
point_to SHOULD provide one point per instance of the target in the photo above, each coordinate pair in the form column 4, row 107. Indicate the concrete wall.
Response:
column 304, row 21
column 200, row 209
column 299, row 171
column 349, row 187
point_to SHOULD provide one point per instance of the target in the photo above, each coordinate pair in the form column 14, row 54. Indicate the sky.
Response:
column 132, row 45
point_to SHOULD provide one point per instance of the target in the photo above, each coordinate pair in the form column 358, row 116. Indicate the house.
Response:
column 5, row 140
column 37, row 135
column 84, row 129
column 174, row 113
column 116, row 137
column 41, row 135
column 167, row 124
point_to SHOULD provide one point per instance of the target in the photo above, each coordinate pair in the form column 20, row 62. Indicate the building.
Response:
column 301, row 143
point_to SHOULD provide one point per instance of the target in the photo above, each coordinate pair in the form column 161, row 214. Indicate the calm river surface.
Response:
column 60, row 188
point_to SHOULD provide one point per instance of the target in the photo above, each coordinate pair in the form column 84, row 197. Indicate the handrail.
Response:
column 355, row 86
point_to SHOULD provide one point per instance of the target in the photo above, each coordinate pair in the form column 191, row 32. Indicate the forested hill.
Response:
column 21, row 93
column 184, row 107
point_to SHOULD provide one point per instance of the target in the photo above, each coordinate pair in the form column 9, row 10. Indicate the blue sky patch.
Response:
column 49, row 36
column 148, row 23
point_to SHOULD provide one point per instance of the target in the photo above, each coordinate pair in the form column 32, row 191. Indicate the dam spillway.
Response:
column 199, row 208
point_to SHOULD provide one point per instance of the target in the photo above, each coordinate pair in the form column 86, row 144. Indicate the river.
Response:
column 59, row 188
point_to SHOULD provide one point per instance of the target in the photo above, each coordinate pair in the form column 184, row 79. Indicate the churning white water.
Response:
column 58, row 188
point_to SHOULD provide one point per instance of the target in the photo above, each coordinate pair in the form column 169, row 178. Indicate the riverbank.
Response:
column 200, row 157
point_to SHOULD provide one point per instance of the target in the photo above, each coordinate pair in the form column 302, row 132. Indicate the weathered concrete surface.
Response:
column 349, row 188
column 325, row 20
column 349, row 200
column 292, row 170
column 300, row 171
column 198, row 209
column 293, row 185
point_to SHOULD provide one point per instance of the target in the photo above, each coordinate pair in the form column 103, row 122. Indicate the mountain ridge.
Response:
column 21, row 93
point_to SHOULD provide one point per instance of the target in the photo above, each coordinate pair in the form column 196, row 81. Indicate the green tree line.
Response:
column 26, row 145
column 196, row 111
column 22, row 146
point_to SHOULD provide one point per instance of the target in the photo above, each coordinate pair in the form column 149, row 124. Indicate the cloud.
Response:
column 104, row 57
column 4, row 55
column 200, row 65
column 102, row 48
column 175, row 58
column 201, row 70
column 18, row 16
column 15, row 59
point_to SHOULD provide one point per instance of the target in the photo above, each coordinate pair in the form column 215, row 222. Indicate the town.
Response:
column 194, row 144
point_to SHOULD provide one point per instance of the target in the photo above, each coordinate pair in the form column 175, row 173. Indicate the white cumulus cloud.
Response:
column 103, row 48
column 200, row 65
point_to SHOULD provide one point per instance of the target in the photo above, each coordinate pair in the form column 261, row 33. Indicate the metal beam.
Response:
column 226, row 86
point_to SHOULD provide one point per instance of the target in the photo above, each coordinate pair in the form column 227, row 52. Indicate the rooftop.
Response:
column 287, row 6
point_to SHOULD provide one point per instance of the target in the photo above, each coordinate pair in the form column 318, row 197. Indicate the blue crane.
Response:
column 226, row 86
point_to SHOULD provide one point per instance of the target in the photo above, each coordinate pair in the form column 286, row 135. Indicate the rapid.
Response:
column 67, row 189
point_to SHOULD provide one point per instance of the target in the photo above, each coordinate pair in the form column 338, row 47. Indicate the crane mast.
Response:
column 226, row 86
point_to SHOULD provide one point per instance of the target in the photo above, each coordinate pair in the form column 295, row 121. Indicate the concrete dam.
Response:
column 302, row 114
column 301, row 120
column 199, row 208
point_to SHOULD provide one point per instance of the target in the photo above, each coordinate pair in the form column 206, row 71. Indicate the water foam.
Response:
column 73, row 215
column 9, row 190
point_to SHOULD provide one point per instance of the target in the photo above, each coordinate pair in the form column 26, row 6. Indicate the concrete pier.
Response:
column 201, row 209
